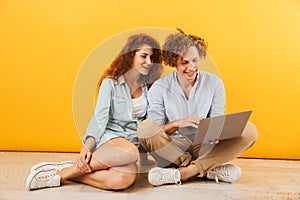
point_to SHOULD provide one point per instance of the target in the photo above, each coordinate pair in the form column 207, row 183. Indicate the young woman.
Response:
column 108, row 157
column 177, row 103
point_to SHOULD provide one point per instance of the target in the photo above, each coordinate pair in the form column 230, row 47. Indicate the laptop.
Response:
column 220, row 128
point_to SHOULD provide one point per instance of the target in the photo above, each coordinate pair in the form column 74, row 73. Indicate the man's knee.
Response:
column 148, row 128
column 251, row 128
column 250, row 134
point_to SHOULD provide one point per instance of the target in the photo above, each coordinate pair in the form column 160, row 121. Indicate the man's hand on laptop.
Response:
column 192, row 120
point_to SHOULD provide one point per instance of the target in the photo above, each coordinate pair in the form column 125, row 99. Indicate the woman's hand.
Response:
column 83, row 159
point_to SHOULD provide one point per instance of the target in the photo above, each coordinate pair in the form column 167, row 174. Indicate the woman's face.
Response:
column 142, row 60
column 188, row 65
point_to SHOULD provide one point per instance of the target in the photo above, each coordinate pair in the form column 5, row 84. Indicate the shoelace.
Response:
column 220, row 173
column 45, row 177
column 169, row 176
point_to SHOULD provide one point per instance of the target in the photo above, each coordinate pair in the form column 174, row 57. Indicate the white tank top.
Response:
column 139, row 106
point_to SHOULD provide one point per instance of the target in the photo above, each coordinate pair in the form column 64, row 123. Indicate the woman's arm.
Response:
column 85, row 155
column 98, row 122
column 90, row 143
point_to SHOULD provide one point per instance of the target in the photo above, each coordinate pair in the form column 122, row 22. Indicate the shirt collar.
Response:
column 121, row 80
column 197, row 78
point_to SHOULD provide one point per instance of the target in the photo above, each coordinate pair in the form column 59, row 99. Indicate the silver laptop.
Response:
column 220, row 128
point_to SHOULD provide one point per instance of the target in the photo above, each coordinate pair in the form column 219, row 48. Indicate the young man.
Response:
column 177, row 103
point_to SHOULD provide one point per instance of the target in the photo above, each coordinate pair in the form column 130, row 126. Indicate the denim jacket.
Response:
column 113, row 114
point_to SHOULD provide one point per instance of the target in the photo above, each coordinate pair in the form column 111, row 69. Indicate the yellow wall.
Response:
column 255, row 44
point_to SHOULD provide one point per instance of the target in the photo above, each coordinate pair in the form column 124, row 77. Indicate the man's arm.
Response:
column 157, row 111
column 191, row 121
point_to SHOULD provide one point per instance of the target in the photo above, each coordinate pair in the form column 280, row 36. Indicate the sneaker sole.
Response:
column 43, row 164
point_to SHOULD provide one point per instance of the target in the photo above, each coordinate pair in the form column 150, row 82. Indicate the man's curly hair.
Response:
column 177, row 43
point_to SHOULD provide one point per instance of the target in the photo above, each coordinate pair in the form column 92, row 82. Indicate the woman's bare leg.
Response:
column 112, row 156
column 115, row 178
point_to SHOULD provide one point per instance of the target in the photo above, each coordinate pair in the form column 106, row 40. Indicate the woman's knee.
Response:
column 125, row 148
column 131, row 149
column 117, row 150
column 129, row 153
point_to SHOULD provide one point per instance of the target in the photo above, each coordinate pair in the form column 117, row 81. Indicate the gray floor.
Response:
column 261, row 179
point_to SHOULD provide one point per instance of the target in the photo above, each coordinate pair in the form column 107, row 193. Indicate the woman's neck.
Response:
column 132, row 80
column 132, row 77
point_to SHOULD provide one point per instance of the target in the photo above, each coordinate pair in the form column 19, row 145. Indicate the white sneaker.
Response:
column 42, row 179
column 159, row 176
column 226, row 173
column 48, row 166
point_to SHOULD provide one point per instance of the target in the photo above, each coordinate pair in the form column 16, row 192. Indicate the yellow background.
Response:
column 255, row 44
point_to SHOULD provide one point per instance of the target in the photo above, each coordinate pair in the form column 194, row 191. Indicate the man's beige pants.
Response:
column 169, row 151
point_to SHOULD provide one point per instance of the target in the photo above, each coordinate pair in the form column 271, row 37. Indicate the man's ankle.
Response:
column 188, row 172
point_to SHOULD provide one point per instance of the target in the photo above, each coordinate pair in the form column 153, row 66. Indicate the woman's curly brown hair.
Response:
column 177, row 43
column 123, row 62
